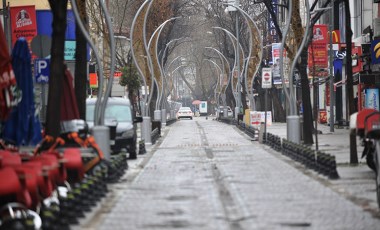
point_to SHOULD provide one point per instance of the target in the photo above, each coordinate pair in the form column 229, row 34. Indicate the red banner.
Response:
column 320, row 34
column 318, row 55
column 23, row 22
column 357, row 64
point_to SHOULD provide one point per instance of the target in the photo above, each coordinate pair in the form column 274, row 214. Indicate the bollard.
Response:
column 142, row 149
column 333, row 173
column 163, row 117
column 102, row 138
column 146, row 129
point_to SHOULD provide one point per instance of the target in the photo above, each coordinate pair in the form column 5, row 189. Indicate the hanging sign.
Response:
column 23, row 22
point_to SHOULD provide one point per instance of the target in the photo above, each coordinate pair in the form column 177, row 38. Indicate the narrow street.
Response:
column 204, row 174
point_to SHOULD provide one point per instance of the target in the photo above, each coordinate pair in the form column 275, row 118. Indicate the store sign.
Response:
column 375, row 51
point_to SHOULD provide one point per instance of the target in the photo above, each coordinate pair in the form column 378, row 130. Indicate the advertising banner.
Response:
column 276, row 63
column 375, row 52
column 271, row 27
column 258, row 117
column 93, row 78
column 318, row 55
column 23, row 22
column 357, row 64
column 372, row 99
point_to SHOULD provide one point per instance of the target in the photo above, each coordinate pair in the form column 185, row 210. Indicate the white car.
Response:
column 185, row 112
column 229, row 112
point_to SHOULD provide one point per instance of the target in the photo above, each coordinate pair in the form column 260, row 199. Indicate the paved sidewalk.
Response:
column 357, row 183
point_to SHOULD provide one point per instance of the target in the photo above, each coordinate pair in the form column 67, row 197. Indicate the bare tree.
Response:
column 59, row 10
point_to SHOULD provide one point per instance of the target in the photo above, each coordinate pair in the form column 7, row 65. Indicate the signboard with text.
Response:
column 266, row 79
column 258, row 117
column 23, row 22
column 318, row 55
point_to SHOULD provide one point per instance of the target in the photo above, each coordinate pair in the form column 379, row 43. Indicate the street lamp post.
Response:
column 234, row 9
column 236, row 46
column 156, row 34
column 224, row 60
column 249, row 20
column 146, row 124
column 164, row 88
column 332, row 95
column 218, row 84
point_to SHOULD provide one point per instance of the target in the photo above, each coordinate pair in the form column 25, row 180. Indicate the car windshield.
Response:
column 184, row 109
column 122, row 113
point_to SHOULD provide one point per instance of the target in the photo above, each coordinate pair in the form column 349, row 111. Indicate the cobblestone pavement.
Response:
column 208, row 175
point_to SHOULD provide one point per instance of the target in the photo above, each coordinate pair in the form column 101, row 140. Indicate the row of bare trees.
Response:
column 196, row 22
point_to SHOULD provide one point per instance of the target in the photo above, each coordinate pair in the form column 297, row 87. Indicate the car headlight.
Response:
column 128, row 133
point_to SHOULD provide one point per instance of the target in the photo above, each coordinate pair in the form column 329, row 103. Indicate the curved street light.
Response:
column 165, row 104
column 249, row 19
column 236, row 47
column 146, row 125
column 218, row 83
column 224, row 60
column 159, row 91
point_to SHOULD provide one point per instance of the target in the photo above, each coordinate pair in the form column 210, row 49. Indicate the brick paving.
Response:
column 205, row 174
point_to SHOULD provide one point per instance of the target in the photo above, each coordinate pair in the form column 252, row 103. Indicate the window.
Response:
column 120, row 112
column 357, row 19
column 342, row 23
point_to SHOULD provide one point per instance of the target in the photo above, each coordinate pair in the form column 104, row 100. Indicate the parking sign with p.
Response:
column 42, row 70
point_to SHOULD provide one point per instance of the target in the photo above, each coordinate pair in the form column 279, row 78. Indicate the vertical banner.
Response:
column 318, row 55
column 271, row 28
column 23, row 22
column 276, row 63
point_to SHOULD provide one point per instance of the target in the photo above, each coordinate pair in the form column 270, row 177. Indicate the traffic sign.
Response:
column 42, row 70
column 41, row 45
column 266, row 82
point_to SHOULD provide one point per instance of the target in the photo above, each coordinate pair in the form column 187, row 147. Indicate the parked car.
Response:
column 185, row 112
column 120, row 112
column 221, row 112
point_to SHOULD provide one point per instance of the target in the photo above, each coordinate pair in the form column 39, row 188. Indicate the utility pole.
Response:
column 331, row 70
column 6, row 24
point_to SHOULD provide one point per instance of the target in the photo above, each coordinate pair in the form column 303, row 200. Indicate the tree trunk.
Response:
column 81, row 63
column 306, row 101
column 279, row 112
column 349, row 86
column 57, row 69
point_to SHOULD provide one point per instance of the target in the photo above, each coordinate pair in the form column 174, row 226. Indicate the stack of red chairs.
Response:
column 28, row 179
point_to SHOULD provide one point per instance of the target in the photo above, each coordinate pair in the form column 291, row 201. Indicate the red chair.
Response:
column 50, row 167
column 44, row 178
column 12, row 190
column 28, row 178
column 9, row 159
column 73, row 164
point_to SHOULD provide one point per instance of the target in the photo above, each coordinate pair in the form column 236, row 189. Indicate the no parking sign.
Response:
column 266, row 80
